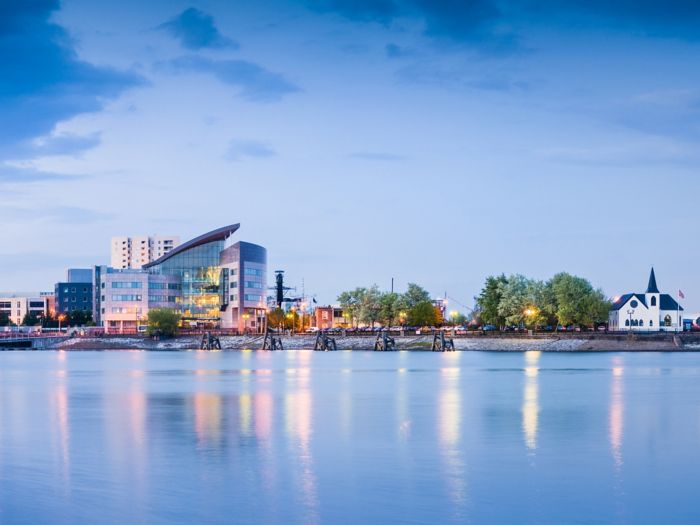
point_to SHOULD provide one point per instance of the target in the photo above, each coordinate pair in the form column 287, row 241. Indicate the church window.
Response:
column 667, row 320
column 651, row 323
column 634, row 303
column 627, row 322
column 653, row 301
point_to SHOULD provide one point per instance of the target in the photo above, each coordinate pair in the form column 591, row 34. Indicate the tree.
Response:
column 424, row 313
column 5, row 319
column 489, row 300
column 162, row 321
column 276, row 318
column 30, row 319
column 413, row 296
column 577, row 302
column 351, row 301
column 370, row 305
column 79, row 318
column 389, row 308
column 515, row 299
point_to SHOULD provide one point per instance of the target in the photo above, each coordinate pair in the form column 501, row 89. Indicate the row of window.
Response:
column 72, row 299
column 74, row 290
column 163, row 298
column 126, row 284
column 164, row 286
column 253, row 298
column 253, row 284
column 126, row 297
column 253, row 271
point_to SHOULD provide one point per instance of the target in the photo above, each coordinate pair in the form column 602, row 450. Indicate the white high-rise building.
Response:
column 134, row 252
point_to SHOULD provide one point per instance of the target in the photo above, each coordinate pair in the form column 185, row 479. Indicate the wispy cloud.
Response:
column 195, row 30
column 42, row 80
column 11, row 174
column 241, row 149
column 254, row 82
column 65, row 144
column 62, row 214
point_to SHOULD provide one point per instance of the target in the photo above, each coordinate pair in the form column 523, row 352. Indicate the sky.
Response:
column 429, row 141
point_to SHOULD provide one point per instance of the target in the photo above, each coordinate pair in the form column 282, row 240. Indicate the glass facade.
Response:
column 200, row 276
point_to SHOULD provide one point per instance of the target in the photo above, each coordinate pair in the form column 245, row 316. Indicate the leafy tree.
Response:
column 276, row 318
column 413, row 296
column 162, row 321
column 424, row 313
column 351, row 302
column 515, row 299
column 30, row 319
column 577, row 302
column 5, row 319
column 370, row 305
column 489, row 300
column 79, row 318
column 390, row 306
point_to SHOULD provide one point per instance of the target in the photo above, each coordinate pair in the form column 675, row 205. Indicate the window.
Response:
column 634, row 303
column 651, row 323
column 253, row 284
column 253, row 298
column 156, row 286
column 126, row 298
column 627, row 322
column 667, row 320
column 233, row 284
column 253, row 271
column 653, row 300
column 122, row 284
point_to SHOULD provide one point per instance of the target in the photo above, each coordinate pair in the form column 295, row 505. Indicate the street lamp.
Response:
column 61, row 318
column 630, row 313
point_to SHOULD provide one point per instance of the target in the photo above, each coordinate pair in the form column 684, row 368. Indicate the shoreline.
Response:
column 608, row 343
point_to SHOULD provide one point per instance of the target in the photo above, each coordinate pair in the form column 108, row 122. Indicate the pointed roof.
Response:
column 652, row 288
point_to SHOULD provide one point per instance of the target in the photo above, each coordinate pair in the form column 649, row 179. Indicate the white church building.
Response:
column 651, row 311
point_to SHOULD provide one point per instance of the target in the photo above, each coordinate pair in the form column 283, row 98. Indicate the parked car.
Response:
column 489, row 328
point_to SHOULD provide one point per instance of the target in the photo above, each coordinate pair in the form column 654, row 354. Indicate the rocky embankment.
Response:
column 591, row 343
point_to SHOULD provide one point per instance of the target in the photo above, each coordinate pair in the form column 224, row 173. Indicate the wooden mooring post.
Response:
column 271, row 342
column 209, row 342
column 442, row 344
column 384, row 343
column 324, row 343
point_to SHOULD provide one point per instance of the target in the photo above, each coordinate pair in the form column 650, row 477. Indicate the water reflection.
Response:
column 298, row 415
column 60, row 423
column 449, row 433
column 616, row 412
column 531, row 407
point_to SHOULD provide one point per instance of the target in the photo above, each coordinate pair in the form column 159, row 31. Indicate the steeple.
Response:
column 652, row 288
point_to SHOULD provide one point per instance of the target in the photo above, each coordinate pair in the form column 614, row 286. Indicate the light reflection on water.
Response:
column 348, row 437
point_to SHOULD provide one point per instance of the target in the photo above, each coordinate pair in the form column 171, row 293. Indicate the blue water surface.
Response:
column 130, row 437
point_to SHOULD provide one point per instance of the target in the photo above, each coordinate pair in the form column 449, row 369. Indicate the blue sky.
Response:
column 430, row 141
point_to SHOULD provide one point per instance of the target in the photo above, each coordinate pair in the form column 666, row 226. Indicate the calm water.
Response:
column 303, row 437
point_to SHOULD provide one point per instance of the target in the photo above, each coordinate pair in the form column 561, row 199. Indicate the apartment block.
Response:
column 135, row 252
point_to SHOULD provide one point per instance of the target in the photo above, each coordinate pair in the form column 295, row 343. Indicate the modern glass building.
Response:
column 204, row 267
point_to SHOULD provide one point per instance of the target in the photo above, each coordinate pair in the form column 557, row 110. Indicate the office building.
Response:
column 75, row 293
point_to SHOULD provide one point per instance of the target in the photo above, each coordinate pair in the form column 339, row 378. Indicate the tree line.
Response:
column 562, row 300
column 370, row 305
column 74, row 318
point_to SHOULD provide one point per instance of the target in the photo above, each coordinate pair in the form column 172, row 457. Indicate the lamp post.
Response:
column 61, row 318
column 246, row 315
column 630, row 313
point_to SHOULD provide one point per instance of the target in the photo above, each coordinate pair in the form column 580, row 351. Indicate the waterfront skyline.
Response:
column 513, row 139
